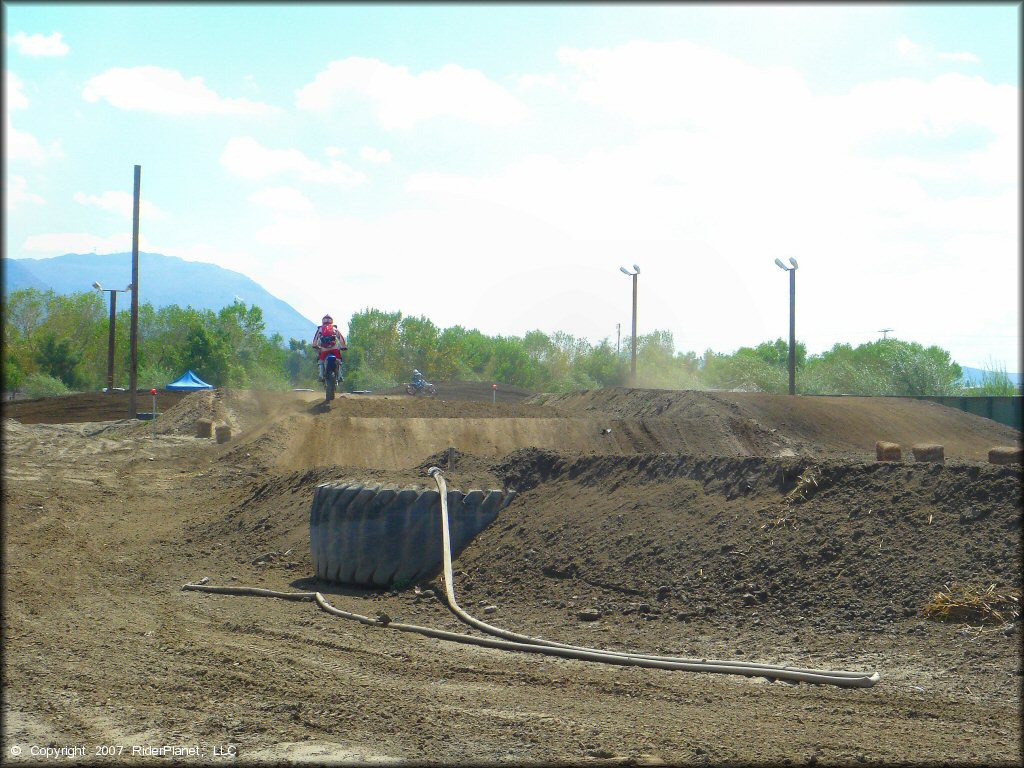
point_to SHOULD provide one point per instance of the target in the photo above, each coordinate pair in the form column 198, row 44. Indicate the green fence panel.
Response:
column 1005, row 410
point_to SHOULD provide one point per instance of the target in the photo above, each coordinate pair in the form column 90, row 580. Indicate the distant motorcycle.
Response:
column 421, row 388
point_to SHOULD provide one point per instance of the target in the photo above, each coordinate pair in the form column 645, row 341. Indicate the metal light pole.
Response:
column 110, row 333
column 133, row 348
column 792, row 320
column 632, row 365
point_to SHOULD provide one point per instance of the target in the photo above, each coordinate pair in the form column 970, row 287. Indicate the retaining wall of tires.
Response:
column 382, row 536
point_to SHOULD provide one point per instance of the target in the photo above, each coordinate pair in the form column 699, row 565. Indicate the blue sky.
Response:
column 494, row 165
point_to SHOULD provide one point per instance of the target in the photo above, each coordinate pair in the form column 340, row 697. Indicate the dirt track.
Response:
column 679, row 527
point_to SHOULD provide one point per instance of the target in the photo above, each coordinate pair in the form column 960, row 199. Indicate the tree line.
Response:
column 55, row 343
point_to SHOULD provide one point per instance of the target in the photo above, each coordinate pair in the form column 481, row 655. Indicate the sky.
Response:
column 493, row 166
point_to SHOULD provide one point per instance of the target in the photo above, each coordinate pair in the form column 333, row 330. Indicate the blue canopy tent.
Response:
column 188, row 382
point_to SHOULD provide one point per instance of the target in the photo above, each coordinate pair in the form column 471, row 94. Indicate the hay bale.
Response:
column 204, row 427
column 223, row 433
column 888, row 451
column 928, row 452
column 1006, row 454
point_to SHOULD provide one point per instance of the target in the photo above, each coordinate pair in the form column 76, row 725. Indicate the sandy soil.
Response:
column 685, row 529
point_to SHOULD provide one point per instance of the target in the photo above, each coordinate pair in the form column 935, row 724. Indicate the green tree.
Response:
column 58, row 359
column 373, row 346
column 418, row 341
column 208, row 355
column 12, row 373
column 882, row 367
column 300, row 361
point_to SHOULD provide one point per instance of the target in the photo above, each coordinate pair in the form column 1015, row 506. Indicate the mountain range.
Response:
column 163, row 280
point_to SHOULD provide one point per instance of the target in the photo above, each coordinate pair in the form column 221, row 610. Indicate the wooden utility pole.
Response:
column 133, row 352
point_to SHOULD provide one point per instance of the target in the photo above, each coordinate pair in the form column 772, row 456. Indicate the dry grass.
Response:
column 974, row 605
column 806, row 485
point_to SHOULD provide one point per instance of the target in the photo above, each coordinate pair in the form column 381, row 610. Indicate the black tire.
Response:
column 430, row 390
column 410, row 389
column 329, row 387
column 380, row 536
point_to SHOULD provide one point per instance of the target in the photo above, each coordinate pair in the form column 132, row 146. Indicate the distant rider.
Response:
column 327, row 338
column 417, row 379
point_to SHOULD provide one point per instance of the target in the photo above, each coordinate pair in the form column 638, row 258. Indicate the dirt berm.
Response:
column 715, row 525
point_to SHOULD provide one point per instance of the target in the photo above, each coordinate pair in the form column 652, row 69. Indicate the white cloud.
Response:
column 21, row 145
column 375, row 155
column 281, row 199
column 966, row 56
column 58, row 243
column 908, row 49
column 334, row 151
column 920, row 54
column 165, row 91
column 237, row 260
column 121, row 203
column 710, row 191
column 15, row 97
column 245, row 157
column 18, row 194
column 38, row 45
column 704, row 195
column 403, row 99
column 680, row 84
column 539, row 82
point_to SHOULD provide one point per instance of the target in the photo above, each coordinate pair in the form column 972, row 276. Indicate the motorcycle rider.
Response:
column 417, row 379
column 326, row 339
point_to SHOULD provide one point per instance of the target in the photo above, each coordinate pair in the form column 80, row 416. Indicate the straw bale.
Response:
column 888, row 451
column 223, row 433
column 929, row 452
column 1006, row 454
column 204, row 427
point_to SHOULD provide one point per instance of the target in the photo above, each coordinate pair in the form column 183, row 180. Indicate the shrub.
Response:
column 269, row 379
column 41, row 385
column 995, row 383
column 153, row 377
column 369, row 379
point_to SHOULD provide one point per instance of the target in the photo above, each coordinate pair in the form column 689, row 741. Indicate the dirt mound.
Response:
column 470, row 391
column 86, row 406
column 748, row 540
column 745, row 423
column 645, row 521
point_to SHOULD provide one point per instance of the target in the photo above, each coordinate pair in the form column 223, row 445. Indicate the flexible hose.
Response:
column 523, row 643
column 833, row 677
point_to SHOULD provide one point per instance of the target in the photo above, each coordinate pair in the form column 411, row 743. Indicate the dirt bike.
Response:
column 424, row 388
column 332, row 374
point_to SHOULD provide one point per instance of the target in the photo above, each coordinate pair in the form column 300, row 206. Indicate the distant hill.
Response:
column 163, row 280
column 975, row 376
